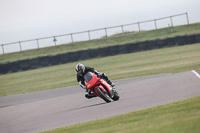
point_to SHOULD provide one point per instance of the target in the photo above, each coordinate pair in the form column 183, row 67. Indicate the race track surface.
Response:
column 50, row 109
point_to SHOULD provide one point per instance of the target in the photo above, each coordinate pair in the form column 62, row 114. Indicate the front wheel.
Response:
column 103, row 95
column 116, row 96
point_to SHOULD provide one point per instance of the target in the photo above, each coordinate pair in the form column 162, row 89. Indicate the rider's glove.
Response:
column 83, row 86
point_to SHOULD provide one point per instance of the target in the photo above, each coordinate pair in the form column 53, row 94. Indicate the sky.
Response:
column 29, row 19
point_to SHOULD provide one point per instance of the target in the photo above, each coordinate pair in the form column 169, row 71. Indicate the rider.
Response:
column 81, row 71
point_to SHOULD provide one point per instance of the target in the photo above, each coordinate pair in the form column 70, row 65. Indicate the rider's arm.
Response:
column 81, row 81
column 94, row 71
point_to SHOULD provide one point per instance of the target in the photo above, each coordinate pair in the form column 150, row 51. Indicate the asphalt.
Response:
column 50, row 109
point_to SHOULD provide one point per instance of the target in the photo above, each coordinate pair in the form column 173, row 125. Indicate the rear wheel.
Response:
column 103, row 95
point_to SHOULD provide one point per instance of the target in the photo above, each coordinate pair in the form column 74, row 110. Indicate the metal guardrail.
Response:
column 71, row 38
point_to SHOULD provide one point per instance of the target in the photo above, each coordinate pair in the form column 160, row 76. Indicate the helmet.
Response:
column 80, row 69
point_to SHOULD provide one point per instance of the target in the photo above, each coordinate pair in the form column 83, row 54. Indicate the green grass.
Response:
column 178, row 117
column 112, row 40
column 159, row 61
column 4, row 106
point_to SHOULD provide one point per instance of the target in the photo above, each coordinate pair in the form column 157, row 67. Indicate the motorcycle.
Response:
column 100, row 87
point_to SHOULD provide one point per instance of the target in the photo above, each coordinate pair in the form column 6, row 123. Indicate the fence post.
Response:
column 171, row 21
column 106, row 32
column 38, row 43
column 155, row 24
column 187, row 18
column 20, row 46
column 2, row 48
column 89, row 35
column 72, row 38
column 122, row 29
column 139, row 26
column 54, row 40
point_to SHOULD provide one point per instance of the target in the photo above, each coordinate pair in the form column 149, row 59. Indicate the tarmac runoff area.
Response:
column 50, row 109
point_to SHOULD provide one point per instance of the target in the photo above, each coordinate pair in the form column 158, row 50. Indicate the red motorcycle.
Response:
column 100, row 87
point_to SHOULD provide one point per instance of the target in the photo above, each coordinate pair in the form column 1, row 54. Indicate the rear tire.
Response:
column 103, row 95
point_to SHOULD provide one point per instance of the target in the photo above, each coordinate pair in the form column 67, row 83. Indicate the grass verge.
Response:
column 4, row 106
column 159, row 61
column 178, row 117
column 109, row 41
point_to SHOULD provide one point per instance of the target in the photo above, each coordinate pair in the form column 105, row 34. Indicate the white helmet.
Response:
column 80, row 69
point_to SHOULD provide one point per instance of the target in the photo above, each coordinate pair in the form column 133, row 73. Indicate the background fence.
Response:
column 170, row 21
column 38, row 62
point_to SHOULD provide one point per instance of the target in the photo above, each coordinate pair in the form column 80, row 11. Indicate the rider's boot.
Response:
column 104, row 76
column 110, row 83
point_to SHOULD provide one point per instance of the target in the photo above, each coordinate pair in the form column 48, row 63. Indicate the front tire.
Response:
column 116, row 96
column 103, row 95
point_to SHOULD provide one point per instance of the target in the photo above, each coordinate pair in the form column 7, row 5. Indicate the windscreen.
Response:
column 88, row 76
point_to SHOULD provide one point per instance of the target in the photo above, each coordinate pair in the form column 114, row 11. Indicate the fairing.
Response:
column 92, row 82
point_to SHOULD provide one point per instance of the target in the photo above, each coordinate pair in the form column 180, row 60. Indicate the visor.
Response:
column 80, row 71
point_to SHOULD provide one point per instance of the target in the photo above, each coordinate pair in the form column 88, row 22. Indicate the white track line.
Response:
column 196, row 73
